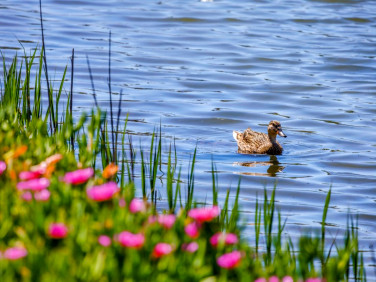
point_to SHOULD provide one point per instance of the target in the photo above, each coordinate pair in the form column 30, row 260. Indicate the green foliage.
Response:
column 28, row 139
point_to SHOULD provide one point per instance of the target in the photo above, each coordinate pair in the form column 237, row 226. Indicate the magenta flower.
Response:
column 27, row 196
column 162, row 249
column 122, row 203
column 42, row 196
column 102, row 192
column 166, row 220
column 287, row 279
column 152, row 219
column 57, row 230
column 192, row 230
column 3, row 167
column 274, row 279
column 78, row 176
column 15, row 253
column 204, row 214
column 104, row 240
column 28, row 175
column 131, row 240
column 229, row 260
column 137, row 205
column 34, row 184
column 190, row 247
column 227, row 238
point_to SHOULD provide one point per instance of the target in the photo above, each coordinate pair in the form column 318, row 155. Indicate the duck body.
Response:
column 252, row 142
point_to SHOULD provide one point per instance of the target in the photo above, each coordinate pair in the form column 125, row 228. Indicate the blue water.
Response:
column 203, row 69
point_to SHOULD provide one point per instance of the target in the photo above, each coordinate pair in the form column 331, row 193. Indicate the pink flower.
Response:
column 204, row 214
column 42, row 196
column 131, row 240
column 227, row 238
column 192, row 230
column 57, row 230
column 190, row 247
column 53, row 159
column 167, row 220
column 274, row 279
column 78, row 176
column 162, row 249
column 38, row 169
column 122, row 203
column 28, row 175
column 27, row 196
column 104, row 240
column 42, row 167
column 260, row 280
column 152, row 219
column 3, row 167
column 15, row 253
column 229, row 260
column 34, row 184
column 287, row 279
column 102, row 192
column 137, row 205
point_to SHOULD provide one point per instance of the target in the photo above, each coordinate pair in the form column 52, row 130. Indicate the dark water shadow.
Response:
column 273, row 169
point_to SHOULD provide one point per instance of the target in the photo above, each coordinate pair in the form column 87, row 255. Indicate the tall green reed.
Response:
column 52, row 116
column 268, row 216
column 347, row 264
column 191, row 181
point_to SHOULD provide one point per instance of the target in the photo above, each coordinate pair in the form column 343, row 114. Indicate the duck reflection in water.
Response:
column 273, row 163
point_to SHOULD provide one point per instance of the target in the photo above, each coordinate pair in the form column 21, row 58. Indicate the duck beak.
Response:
column 280, row 133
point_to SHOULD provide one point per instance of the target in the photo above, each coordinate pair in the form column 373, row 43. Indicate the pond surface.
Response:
column 203, row 69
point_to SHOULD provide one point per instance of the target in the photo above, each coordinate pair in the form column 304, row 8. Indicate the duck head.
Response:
column 275, row 128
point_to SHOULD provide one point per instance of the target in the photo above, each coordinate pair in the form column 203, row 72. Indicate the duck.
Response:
column 252, row 142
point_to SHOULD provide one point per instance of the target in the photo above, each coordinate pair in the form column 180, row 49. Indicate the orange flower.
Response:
column 49, row 170
column 110, row 170
column 53, row 159
column 20, row 151
column 12, row 174
column 10, row 155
